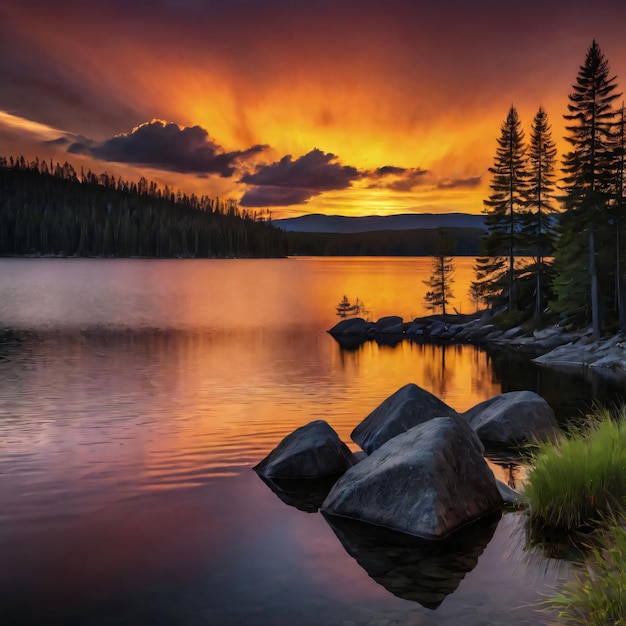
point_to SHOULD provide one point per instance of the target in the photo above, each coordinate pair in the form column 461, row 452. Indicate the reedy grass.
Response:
column 597, row 595
column 580, row 479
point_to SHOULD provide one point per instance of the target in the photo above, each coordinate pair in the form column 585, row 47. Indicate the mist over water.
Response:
column 130, row 421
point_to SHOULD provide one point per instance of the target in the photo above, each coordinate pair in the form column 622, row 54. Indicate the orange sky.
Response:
column 294, row 105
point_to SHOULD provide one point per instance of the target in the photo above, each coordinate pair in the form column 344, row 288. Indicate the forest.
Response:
column 48, row 209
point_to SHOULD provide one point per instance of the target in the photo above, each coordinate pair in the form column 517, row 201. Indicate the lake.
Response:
column 131, row 418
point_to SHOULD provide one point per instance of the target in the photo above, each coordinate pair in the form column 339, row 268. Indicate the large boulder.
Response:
column 392, row 324
column 512, row 418
column 409, row 406
column 311, row 451
column 351, row 326
column 426, row 482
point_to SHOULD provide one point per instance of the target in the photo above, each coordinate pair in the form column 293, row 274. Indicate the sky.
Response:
column 347, row 107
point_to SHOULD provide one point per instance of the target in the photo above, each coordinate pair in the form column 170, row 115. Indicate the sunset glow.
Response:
column 420, row 89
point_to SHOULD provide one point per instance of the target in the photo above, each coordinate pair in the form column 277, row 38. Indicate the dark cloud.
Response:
column 288, row 182
column 389, row 170
column 169, row 147
column 276, row 196
column 459, row 183
column 61, row 141
column 399, row 178
column 316, row 171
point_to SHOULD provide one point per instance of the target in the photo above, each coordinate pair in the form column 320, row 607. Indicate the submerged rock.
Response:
column 409, row 406
column 513, row 418
column 311, row 451
column 426, row 482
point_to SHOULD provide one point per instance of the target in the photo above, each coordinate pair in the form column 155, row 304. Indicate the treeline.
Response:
column 50, row 209
column 573, row 222
column 415, row 242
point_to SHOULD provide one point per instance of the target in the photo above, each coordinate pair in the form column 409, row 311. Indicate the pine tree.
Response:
column 441, row 278
column 589, row 179
column 495, row 271
column 538, row 232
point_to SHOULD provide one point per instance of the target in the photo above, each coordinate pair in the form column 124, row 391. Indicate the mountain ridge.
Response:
column 344, row 224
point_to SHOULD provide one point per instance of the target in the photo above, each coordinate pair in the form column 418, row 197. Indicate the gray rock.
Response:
column 311, row 451
column 352, row 326
column 390, row 324
column 513, row 332
column 480, row 332
column 437, row 328
column 512, row 418
column 509, row 495
column 426, row 482
column 409, row 406
column 416, row 328
column 544, row 333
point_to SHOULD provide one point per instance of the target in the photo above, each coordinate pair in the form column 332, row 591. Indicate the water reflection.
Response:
column 418, row 570
column 305, row 495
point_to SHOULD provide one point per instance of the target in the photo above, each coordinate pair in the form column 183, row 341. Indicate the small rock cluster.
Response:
column 453, row 329
column 552, row 346
column 424, row 473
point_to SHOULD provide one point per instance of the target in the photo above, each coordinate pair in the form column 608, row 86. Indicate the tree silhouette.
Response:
column 589, row 182
column 495, row 272
column 538, row 230
column 441, row 278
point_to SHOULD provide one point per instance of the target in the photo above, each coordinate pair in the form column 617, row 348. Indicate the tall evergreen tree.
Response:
column 589, row 182
column 442, row 272
column 538, row 232
column 619, row 219
column 495, row 272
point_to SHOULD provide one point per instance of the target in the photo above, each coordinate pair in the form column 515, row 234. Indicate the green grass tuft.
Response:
column 580, row 479
column 597, row 595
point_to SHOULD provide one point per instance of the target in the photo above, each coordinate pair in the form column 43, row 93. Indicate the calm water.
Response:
column 129, row 424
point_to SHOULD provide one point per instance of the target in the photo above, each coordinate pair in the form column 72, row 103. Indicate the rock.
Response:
column 512, row 332
column 479, row 333
column 512, row 418
column 426, row 482
column 409, row 406
column 352, row 326
column 390, row 324
column 311, row 451
column 437, row 328
column 509, row 495
column 416, row 328
column 544, row 333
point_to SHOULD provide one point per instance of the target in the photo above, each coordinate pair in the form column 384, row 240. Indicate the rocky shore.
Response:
column 552, row 346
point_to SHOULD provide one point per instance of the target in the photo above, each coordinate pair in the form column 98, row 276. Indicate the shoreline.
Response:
column 551, row 346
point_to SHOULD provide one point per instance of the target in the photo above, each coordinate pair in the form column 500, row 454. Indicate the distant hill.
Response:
column 318, row 223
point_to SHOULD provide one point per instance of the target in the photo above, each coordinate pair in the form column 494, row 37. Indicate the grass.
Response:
column 580, row 479
column 597, row 595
